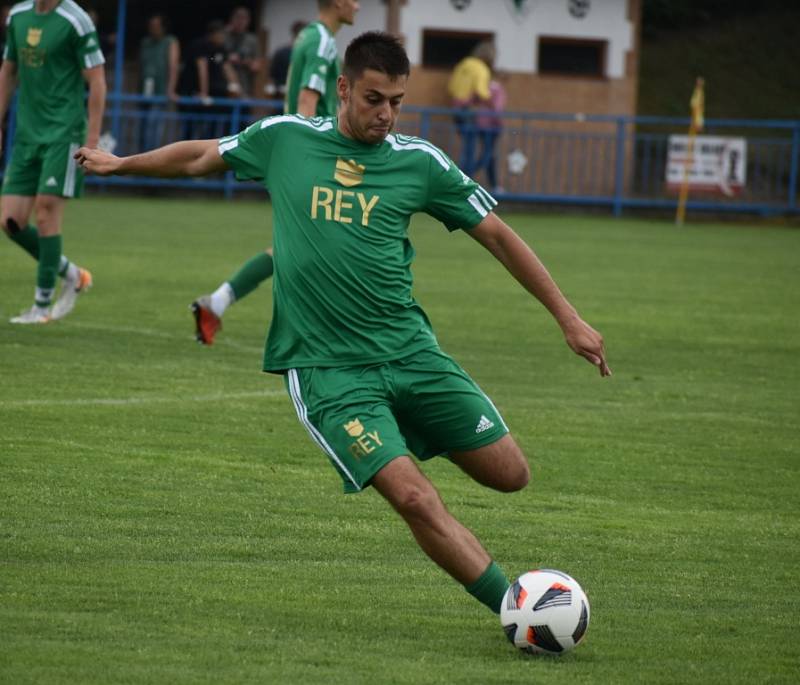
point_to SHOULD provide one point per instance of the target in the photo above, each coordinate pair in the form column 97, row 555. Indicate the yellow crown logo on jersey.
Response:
column 349, row 172
column 34, row 37
column 354, row 428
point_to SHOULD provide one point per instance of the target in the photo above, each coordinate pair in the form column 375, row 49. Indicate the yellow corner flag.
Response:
column 697, row 105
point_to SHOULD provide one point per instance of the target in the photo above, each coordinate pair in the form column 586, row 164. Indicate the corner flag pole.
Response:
column 697, row 104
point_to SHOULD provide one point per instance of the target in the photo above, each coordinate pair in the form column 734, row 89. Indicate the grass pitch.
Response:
column 164, row 518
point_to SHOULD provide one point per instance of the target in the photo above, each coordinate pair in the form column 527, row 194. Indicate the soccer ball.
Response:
column 545, row 612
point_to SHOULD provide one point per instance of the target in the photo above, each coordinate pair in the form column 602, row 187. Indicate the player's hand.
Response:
column 588, row 343
column 97, row 161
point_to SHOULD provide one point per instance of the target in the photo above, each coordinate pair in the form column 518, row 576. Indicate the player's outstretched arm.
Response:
column 521, row 261
column 186, row 158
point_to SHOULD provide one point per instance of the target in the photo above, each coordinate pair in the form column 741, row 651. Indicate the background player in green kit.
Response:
column 361, row 363
column 311, row 91
column 51, row 48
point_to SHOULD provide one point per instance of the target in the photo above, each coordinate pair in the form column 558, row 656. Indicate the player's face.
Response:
column 370, row 105
column 347, row 11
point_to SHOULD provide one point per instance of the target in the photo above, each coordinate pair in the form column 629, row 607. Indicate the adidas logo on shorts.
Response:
column 484, row 425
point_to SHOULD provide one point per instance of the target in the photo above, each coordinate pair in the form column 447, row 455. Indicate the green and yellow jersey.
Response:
column 342, row 288
column 51, row 50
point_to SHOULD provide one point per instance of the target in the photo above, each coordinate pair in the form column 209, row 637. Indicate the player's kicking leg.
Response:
column 209, row 309
column 441, row 536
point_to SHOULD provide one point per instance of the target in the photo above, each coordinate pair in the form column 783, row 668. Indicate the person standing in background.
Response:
column 490, row 125
column 469, row 90
column 207, row 75
column 52, row 51
column 242, row 48
column 159, row 59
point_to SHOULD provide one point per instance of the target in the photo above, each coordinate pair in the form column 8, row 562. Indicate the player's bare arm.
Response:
column 186, row 158
column 523, row 264
column 8, row 83
column 96, row 103
column 307, row 102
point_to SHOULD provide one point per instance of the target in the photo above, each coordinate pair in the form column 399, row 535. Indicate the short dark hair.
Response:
column 378, row 51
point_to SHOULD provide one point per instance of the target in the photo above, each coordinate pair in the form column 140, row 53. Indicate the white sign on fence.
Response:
column 717, row 163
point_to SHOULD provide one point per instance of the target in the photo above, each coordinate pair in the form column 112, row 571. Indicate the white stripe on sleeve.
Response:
column 476, row 204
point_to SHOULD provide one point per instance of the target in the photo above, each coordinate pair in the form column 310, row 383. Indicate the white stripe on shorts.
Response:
column 499, row 415
column 69, row 176
column 316, row 436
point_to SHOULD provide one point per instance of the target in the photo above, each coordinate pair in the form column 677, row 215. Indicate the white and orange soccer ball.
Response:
column 545, row 612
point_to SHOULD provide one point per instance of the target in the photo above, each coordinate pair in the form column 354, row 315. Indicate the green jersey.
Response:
column 50, row 51
column 314, row 65
column 342, row 284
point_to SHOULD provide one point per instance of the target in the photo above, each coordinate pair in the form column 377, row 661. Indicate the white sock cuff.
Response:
column 222, row 298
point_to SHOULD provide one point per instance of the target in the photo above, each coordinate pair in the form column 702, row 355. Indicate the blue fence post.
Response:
column 619, row 173
column 119, row 59
column 424, row 124
column 793, row 169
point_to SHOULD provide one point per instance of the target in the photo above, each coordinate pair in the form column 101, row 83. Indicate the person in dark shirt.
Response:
column 208, row 75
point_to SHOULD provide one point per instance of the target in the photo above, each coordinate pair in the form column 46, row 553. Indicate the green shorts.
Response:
column 364, row 416
column 46, row 169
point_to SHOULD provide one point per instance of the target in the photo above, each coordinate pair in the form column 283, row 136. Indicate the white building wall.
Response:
column 516, row 35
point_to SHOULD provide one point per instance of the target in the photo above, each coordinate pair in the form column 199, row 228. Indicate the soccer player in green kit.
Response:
column 310, row 91
column 360, row 360
column 52, row 48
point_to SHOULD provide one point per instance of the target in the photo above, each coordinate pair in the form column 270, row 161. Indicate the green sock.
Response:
column 249, row 277
column 49, row 261
column 490, row 588
column 28, row 239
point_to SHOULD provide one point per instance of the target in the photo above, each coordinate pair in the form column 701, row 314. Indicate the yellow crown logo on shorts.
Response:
column 354, row 428
column 34, row 37
column 349, row 172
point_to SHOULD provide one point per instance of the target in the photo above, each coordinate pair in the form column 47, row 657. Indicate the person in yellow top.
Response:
column 469, row 89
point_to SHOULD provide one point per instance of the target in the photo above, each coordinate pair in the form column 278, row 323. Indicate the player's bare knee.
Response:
column 518, row 475
column 514, row 472
column 44, row 208
column 419, row 503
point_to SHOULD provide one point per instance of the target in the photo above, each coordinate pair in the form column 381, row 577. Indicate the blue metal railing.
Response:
column 603, row 160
